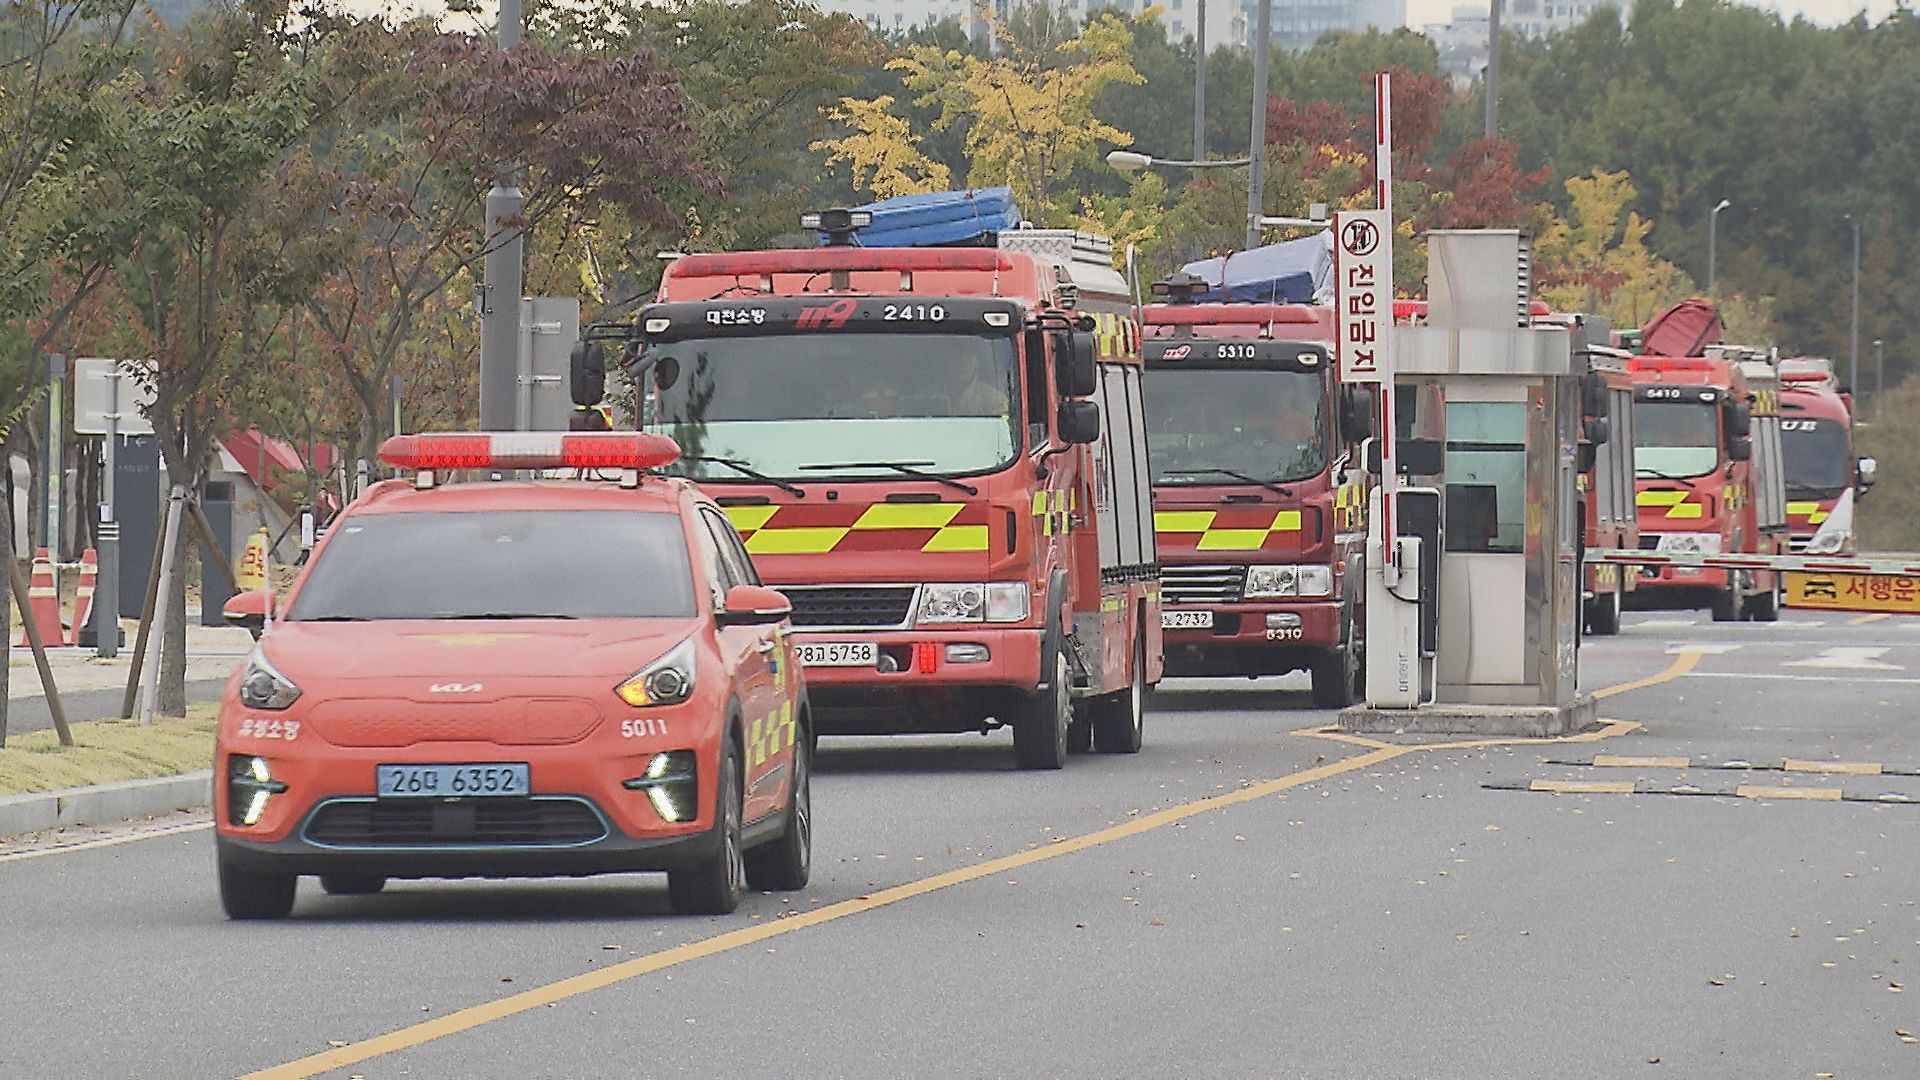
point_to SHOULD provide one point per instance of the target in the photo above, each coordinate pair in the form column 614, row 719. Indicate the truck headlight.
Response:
column 973, row 602
column 263, row 687
column 1287, row 581
column 666, row 681
column 1689, row 544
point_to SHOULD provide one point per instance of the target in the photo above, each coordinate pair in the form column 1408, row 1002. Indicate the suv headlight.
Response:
column 1689, row 544
column 666, row 681
column 1288, row 581
column 973, row 602
column 263, row 687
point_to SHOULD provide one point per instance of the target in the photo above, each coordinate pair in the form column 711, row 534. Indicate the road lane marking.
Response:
column 1871, row 617
column 527, row 1000
column 1583, row 787
column 1682, row 664
column 1761, row 791
column 1852, row 657
column 1625, row 762
column 1796, row 678
column 1847, row 768
column 1652, row 624
column 105, row 841
column 1681, row 648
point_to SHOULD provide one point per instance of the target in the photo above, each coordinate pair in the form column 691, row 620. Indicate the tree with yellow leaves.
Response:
column 1596, row 258
column 1029, row 116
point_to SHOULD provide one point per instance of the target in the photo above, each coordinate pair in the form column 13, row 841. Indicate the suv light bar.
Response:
column 441, row 451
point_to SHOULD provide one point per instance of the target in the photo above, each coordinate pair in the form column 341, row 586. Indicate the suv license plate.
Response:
column 419, row 781
column 839, row 654
column 1186, row 620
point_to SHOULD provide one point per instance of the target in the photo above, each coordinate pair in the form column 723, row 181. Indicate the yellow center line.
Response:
column 1869, row 618
column 527, row 1000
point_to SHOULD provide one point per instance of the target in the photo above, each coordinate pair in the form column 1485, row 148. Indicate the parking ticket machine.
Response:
column 1499, row 395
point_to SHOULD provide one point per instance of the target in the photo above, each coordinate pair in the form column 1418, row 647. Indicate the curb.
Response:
column 104, row 804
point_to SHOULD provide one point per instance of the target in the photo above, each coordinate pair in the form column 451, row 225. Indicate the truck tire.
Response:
column 1603, row 613
column 1041, row 719
column 1764, row 606
column 1725, row 604
column 715, row 884
column 1336, row 673
column 784, row 864
column 1120, row 718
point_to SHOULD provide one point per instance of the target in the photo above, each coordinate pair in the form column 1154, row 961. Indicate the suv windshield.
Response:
column 507, row 564
column 947, row 403
column 1818, row 461
column 1267, row 424
column 1675, row 438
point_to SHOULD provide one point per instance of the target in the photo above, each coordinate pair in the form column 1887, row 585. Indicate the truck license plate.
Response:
column 1186, row 620
column 408, row 781
column 839, row 654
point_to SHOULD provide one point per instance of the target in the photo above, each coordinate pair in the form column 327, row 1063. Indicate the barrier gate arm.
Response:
column 1806, row 563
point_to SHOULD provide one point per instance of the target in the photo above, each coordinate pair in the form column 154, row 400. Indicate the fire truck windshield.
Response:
column 945, row 403
column 1818, row 461
column 1675, row 438
column 1263, row 423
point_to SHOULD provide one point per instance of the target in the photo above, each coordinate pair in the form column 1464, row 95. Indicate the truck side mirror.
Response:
column 1073, row 364
column 1599, row 430
column 587, row 373
column 1356, row 413
column 1079, row 422
column 1739, row 417
column 1740, row 450
column 1864, row 470
column 1593, row 394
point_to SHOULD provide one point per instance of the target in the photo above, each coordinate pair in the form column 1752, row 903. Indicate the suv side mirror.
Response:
column 1864, row 470
column 587, row 373
column 248, row 610
column 753, row 605
column 1356, row 413
column 1079, row 422
column 1740, row 450
column 1074, row 367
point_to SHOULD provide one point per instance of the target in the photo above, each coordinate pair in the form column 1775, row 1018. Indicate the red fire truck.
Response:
column 1259, row 491
column 1706, row 445
column 938, row 454
column 1824, row 481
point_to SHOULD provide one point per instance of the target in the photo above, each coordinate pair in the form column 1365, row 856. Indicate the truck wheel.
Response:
column 247, row 894
column 1119, row 719
column 783, row 865
column 1726, row 603
column 1764, row 606
column 1080, row 729
column 1041, row 720
column 715, row 885
column 1336, row 673
column 1603, row 614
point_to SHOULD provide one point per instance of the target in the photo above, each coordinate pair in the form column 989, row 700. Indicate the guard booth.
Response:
column 1498, row 396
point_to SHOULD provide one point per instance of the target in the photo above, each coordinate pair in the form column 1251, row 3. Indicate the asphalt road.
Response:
column 1242, row 899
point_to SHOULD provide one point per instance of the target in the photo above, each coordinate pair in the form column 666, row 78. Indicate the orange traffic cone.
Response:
column 83, row 599
column 43, row 603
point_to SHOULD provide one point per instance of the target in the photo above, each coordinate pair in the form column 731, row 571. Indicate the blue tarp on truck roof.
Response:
column 1290, row 272
column 941, row 217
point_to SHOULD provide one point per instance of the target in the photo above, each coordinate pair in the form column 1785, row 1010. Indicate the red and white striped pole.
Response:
column 1383, row 198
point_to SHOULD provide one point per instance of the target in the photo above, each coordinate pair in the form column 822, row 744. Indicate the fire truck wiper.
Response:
column 907, row 467
column 749, row 472
column 1658, row 475
column 1268, row 484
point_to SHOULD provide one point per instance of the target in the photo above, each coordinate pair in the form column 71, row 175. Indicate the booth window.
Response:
column 1486, row 476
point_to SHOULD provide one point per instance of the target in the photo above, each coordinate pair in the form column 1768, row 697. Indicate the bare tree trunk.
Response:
column 172, row 699
column 6, row 606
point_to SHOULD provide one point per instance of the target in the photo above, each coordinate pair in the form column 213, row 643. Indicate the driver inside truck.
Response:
column 978, row 392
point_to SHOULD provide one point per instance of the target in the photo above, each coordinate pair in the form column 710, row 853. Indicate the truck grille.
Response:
column 1201, row 584
column 541, row 821
column 872, row 606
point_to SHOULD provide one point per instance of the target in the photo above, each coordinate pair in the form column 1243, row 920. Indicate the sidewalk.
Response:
column 212, row 653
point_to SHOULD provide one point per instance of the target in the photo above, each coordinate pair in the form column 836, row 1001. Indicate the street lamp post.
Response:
column 1130, row 161
column 1200, row 82
column 1853, row 332
column 1257, row 144
column 1713, row 245
column 1879, row 375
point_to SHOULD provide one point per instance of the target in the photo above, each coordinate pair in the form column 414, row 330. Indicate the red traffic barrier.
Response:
column 43, row 604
